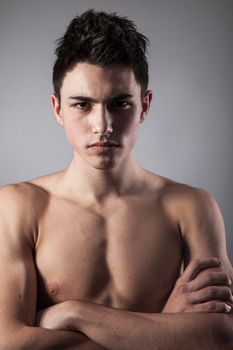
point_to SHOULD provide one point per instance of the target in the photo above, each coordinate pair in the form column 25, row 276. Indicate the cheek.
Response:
column 132, row 125
column 75, row 131
column 129, row 134
column 127, row 123
column 132, row 129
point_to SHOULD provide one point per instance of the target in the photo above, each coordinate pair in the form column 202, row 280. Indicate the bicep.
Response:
column 17, row 271
column 18, row 288
column 203, row 230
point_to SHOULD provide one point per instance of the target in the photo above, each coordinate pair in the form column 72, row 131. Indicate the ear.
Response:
column 146, row 105
column 57, row 109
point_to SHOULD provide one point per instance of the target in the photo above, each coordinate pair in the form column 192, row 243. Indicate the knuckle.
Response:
column 211, row 306
column 183, row 287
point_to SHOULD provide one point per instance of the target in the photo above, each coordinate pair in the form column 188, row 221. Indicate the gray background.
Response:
column 187, row 136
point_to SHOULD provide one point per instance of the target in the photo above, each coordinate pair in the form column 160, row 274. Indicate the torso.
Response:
column 128, row 256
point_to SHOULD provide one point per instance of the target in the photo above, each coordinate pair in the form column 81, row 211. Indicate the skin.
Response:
column 95, row 254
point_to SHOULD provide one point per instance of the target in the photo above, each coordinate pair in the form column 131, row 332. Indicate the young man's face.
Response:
column 100, row 110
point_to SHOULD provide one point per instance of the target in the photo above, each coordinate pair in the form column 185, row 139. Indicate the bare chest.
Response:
column 129, row 258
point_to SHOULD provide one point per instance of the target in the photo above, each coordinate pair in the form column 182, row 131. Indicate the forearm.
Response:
column 27, row 338
column 118, row 329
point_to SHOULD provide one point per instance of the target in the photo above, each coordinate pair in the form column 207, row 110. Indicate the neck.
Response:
column 84, row 181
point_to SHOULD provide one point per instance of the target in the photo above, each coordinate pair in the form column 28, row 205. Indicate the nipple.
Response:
column 53, row 288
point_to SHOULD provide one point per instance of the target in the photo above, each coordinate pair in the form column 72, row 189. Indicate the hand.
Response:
column 55, row 317
column 201, row 288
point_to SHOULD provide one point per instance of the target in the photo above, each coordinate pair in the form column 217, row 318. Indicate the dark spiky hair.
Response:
column 103, row 39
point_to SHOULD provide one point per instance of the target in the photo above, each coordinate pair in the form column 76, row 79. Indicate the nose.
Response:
column 101, row 121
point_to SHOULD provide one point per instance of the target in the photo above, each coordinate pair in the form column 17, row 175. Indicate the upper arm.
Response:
column 17, row 271
column 202, row 228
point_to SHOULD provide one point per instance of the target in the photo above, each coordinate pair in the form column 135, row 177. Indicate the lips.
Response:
column 104, row 144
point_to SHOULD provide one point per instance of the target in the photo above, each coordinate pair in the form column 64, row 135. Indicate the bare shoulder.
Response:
column 180, row 194
column 21, row 196
column 21, row 206
column 189, row 202
column 184, row 202
column 31, row 193
column 29, row 201
column 30, row 198
column 197, row 215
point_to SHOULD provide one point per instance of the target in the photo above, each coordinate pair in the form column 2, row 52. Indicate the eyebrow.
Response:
column 91, row 99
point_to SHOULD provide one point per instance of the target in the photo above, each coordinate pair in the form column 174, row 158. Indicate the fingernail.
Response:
column 228, row 308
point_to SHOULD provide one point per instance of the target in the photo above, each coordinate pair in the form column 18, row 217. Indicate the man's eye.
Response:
column 82, row 105
column 119, row 104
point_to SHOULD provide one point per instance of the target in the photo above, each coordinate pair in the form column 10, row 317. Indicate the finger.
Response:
column 211, row 293
column 196, row 265
column 211, row 306
column 209, row 279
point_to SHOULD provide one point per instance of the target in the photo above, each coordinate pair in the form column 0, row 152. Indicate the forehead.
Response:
column 99, row 82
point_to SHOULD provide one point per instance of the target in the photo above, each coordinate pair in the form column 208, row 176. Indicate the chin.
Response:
column 103, row 164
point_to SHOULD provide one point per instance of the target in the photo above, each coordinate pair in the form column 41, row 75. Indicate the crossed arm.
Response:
column 86, row 326
column 119, row 329
column 122, row 330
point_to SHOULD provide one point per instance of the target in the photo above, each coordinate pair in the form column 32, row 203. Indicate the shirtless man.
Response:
column 106, row 254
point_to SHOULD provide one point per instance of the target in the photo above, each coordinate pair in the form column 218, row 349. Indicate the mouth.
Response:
column 104, row 145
